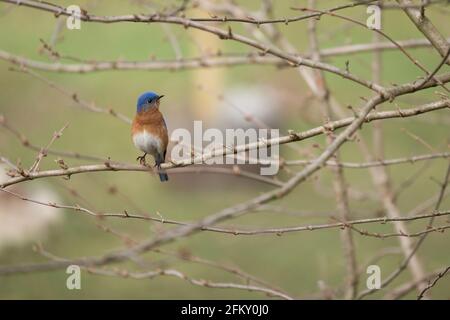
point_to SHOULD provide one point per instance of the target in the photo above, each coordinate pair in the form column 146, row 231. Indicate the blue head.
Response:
column 148, row 100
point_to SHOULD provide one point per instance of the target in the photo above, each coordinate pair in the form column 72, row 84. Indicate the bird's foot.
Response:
column 142, row 160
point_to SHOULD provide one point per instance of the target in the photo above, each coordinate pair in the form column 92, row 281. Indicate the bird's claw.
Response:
column 141, row 160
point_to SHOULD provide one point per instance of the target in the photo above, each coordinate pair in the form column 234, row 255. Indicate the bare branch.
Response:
column 331, row 126
column 433, row 283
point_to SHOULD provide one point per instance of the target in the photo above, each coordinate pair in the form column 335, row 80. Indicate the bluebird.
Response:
column 149, row 131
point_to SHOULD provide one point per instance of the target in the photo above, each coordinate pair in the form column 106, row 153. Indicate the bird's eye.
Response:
column 149, row 100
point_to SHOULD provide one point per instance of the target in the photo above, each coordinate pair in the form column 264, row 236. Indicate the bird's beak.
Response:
column 159, row 98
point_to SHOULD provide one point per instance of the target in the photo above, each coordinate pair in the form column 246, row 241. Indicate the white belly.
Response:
column 148, row 143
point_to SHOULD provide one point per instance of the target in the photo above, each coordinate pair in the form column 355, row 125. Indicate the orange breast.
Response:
column 151, row 121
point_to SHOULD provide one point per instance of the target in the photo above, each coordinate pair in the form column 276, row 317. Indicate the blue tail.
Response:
column 162, row 174
column 163, row 177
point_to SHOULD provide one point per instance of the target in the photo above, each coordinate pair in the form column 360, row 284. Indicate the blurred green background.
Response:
column 294, row 262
